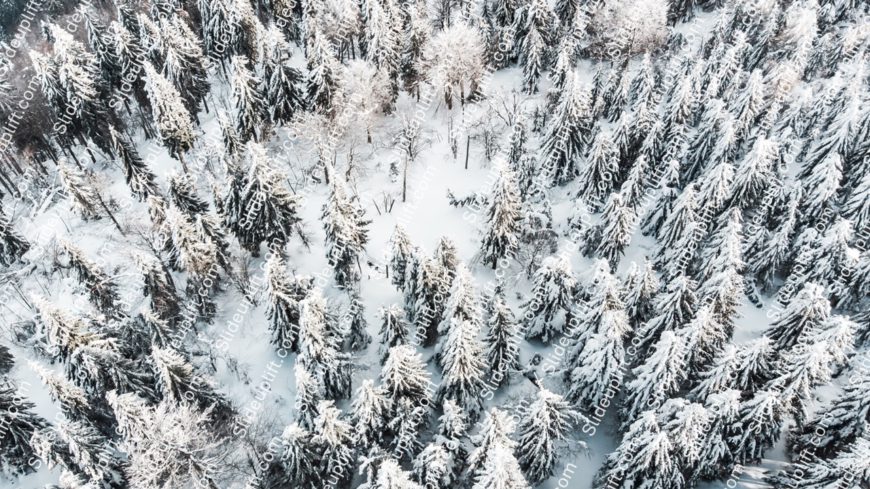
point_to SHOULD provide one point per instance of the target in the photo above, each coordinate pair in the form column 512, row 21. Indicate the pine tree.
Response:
column 248, row 100
column 755, row 172
column 601, row 169
column 495, row 432
column 20, row 422
column 183, row 193
column 166, row 444
column 334, row 436
column 761, row 419
column 673, row 308
column 89, row 451
column 284, row 297
column 280, row 80
column 821, row 186
column 840, row 422
column 102, row 290
column 198, row 258
column 599, row 362
column 12, row 245
column 800, row 370
column 716, row 459
column 503, row 216
column 309, row 393
column 64, row 333
column 614, row 233
column 658, row 377
column 401, row 250
column 173, row 120
column 463, row 365
column 346, row 235
column 433, row 468
column 178, row 382
column 370, row 412
column 703, row 336
column 502, row 340
column 84, row 198
column 848, row 469
column 258, row 207
column 394, row 330
column 804, row 314
column 544, row 423
column 639, row 291
column 404, row 375
column 358, row 336
column 462, row 305
column 323, row 74
column 391, row 476
column 139, row 177
column 567, row 135
column 319, row 347
column 644, row 458
column 551, row 294
column 502, row 470
column 295, row 463
column 158, row 284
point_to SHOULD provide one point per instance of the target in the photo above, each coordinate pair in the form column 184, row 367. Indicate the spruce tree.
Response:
column 401, row 251
column 567, row 134
column 552, row 290
column 248, row 100
column 346, row 235
column 803, row 315
column 405, row 376
column 544, row 423
column 639, row 290
column 320, row 347
column 501, row 238
column 283, row 309
column 658, row 377
column 394, row 330
column 258, row 207
column 502, row 340
column 495, row 432
column 370, row 411
column 173, row 120
column 463, row 364
column 139, row 177
column 20, row 422
column 12, row 245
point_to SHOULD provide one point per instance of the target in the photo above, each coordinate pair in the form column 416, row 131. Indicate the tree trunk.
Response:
column 467, row 147
column 111, row 216
column 405, row 181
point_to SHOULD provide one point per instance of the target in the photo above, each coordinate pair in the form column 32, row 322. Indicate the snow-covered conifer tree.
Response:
column 401, row 250
column 551, row 295
column 659, row 376
column 283, row 309
column 463, row 363
column 370, row 412
column 673, row 308
column 501, row 470
column 258, row 207
column 12, row 245
column 84, row 198
column 568, row 133
column 394, row 329
column 173, row 120
column 501, row 238
column 502, row 339
column 544, row 423
column 639, row 290
column 139, row 177
column 601, row 168
column 20, row 422
column 802, row 316
column 248, row 100
column 320, row 347
column 495, row 431
column 334, row 438
column 102, row 290
column 614, row 233
column 346, row 235
column 405, row 376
